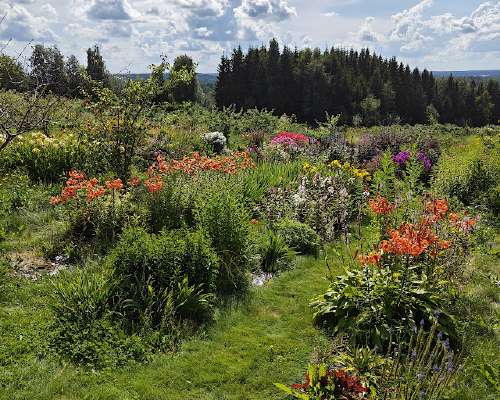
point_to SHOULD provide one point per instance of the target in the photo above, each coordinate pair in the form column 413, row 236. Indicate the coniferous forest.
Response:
column 363, row 87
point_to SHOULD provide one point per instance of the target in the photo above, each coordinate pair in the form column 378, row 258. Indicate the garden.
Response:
column 151, row 252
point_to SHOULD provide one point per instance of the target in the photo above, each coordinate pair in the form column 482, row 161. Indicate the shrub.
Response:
column 83, row 330
column 299, row 236
column 216, row 140
column 471, row 174
column 148, row 269
column 221, row 214
column 275, row 253
column 373, row 305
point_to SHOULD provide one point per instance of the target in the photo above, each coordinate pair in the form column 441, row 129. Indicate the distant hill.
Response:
column 204, row 79
column 485, row 74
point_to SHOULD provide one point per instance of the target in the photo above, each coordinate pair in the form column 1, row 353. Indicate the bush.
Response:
column 216, row 141
column 471, row 174
column 83, row 330
column 299, row 236
column 148, row 268
column 374, row 306
column 275, row 253
column 221, row 214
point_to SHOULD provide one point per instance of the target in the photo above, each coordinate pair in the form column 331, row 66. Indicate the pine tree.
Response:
column 96, row 68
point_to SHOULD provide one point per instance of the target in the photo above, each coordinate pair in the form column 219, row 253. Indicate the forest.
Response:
column 363, row 87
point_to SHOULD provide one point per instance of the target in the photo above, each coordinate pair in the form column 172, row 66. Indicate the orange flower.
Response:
column 115, row 184
column 55, row 200
column 438, row 207
column 370, row 258
column 444, row 244
column 381, row 205
column 254, row 221
column 453, row 218
column 154, row 184
column 134, row 181
column 95, row 193
column 409, row 239
column 76, row 174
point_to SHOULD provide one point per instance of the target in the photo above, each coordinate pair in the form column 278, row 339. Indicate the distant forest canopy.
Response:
column 365, row 88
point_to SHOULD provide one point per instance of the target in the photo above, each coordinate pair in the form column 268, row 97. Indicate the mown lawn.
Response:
column 266, row 338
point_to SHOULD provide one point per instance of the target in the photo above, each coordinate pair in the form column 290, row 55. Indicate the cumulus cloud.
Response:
column 204, row 8
column 275, row 10
column 367, row 34
column 111, row 10
column 20, row 25
column 417, row 34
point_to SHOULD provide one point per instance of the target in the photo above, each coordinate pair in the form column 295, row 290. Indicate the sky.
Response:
column 132, row 34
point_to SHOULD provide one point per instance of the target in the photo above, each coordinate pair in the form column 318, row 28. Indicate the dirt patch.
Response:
column 32, row 266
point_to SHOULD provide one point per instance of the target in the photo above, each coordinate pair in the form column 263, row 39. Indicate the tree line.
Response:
column 363, row 87
column 47, row 67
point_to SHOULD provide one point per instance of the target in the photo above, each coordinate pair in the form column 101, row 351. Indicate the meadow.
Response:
column 193, row 253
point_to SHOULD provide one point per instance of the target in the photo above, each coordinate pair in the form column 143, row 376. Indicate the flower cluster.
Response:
column 329, row 383
column 239, row 161
column 426, row 161
column 403, row 156
column 355, row 172
column 380, row 205
column 291, row 140
column 78, row 183
column 410, row 239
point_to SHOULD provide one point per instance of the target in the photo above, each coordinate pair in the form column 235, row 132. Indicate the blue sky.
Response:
column 433, row 34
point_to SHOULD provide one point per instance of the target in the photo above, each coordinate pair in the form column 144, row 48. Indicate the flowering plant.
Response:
column 322, row 382
column 291, row 140
column 403, row 156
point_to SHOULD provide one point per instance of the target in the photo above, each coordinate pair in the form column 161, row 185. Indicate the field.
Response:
column 194, row 253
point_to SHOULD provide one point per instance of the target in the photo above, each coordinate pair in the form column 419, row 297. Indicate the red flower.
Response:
column 371, row 258
column 134, row 181
column 154, row 184
column 381, row 205
column 115, row 184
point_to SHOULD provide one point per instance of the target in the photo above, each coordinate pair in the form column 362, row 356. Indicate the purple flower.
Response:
column 401, row 158
column 425, row 160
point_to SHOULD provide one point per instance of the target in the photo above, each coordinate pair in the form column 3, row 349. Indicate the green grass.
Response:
column 266, row 338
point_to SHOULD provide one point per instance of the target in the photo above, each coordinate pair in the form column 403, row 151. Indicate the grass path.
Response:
column 268, row 338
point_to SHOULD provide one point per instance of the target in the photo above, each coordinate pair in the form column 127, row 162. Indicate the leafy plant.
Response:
column 152, row 274
column 275, row 253
column 374, row 305
column 299, row 236
column 322, row 382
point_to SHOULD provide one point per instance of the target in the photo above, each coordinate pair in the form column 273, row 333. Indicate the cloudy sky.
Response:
column 433, row 34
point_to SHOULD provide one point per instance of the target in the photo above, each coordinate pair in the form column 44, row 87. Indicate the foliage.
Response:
column 83, row 331
column 471, row 173
column 299, row 236
column 324, row 383
column 158, row 277
column 375, row 305
column 223, row 216
column 274, row 252
column 426, row 369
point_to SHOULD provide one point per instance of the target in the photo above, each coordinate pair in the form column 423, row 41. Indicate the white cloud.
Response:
column 367, row 34
column 20, row 25
column 111, row 10
column 330, row 14
column 275, row 10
